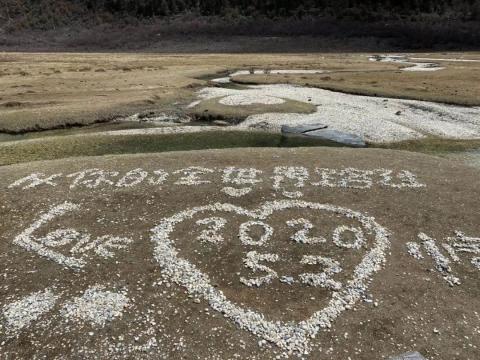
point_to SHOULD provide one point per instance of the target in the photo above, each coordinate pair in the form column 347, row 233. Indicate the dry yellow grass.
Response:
column 458, row 84
column 213, row 110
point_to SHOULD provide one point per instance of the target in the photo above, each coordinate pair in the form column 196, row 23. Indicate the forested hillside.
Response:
column 45, row 13
column 274, row 8
column 408, row 23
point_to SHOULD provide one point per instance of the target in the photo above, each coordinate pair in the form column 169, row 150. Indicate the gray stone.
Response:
column 301, row 129
column 221, row 123
column 409, row 356
column 337, row 137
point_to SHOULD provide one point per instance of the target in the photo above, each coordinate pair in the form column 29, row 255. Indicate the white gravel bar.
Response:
column 247, row 99
column 376, row 119
column 402, row 59
column 445, row 59
column 227, row 79
column 160, row 130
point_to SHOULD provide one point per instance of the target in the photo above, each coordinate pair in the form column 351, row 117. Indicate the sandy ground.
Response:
column 50, row 90
column 101, row 287
column 470, row 158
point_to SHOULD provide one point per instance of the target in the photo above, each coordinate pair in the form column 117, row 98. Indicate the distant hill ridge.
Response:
column 150, row 24
column 48, row 14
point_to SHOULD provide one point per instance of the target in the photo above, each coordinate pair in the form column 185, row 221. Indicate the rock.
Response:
column 398, row 113
column 301, row 129
column 221, row 123
column 337, row 137
column 320, row 131
column 409, row 356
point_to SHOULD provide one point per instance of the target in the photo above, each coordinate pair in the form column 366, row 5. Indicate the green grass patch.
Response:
column 107, row 126
column 432, row 145
column 96, row 145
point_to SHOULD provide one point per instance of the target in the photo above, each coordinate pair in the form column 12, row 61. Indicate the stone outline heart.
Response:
column 291, row 337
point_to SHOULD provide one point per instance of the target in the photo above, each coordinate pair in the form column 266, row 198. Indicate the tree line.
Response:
column 285, row 8
column 246, row 16
column 353, row 9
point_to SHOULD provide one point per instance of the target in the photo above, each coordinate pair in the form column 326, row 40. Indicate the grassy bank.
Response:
column 95, row 145
column 433, row 145
column 58, row 147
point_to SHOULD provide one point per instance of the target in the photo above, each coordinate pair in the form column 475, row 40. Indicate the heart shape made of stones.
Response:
column 291, row 337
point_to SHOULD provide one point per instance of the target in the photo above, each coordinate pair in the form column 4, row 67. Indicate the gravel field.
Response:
column 413, row 66
column 376, row 119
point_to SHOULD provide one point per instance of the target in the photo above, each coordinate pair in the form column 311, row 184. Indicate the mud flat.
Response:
column 247, row 253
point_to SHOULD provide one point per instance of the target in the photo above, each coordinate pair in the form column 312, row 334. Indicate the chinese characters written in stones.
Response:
column 446, row 254
column 289, row 181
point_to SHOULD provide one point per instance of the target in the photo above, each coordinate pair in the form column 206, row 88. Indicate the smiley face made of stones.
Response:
column 289, row 336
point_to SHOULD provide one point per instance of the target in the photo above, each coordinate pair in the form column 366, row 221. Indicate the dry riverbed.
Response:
column 209, row 90
column 45, row 91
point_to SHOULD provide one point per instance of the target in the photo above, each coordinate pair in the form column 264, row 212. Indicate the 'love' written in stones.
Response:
column 288, row 181
column 68, row 247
